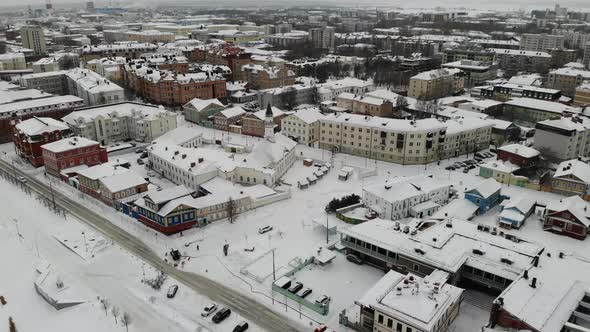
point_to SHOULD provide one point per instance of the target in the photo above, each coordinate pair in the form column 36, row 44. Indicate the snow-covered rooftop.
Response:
column 119, row 110
column 486, row 188
column 575, row 168
column 436, row 73
column 542, row 105
column 519, row 149
column 68, row 143
column 122, row 181
column 38, row 126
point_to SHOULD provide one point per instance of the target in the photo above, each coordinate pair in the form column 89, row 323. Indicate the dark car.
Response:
column 295, row 287
column 221, row 315
column 354, row 258
column 144, row 154
column 242, row 326
column 140, row 161
column 172, row 291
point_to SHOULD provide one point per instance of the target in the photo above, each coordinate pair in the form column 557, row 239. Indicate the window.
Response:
column 389, row 323
column 380, row 319
column 398, row 327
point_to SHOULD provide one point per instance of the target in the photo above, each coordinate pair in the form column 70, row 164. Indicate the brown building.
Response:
column 29, row 135
column 169, row 88
column 366, row 105
column 170, row 62
column 226, row 55
column 227, row 118
column 121, row 187
column 129, row 50
column 253, row 123
column 262, row 77
column 582, row 97
column 518, row 154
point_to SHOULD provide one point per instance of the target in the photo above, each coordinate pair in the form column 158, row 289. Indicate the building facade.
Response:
column 70, row 152
column 29, row 135
column 436, row 84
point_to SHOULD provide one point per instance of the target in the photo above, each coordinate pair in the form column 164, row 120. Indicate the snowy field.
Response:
column 295, row 236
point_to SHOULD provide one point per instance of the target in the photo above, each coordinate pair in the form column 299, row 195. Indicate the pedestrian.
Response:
column 197, row 247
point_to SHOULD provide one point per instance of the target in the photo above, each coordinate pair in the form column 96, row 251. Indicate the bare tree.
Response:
column 68, row 62
column 231, row 209
column 115, row 311
column 126, row 320
column 105, row 304
column 11, row 325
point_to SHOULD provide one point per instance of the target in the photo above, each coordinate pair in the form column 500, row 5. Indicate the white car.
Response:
column 151, row 173
column 208, row 310
column 21, row 179
column 264, row 229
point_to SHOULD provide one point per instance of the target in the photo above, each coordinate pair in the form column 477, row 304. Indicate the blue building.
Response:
column 485, row 195
column 515, row 211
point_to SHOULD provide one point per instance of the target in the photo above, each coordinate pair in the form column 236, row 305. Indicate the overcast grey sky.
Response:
column 488, row 4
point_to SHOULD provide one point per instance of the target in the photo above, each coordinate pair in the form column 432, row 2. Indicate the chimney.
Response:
column 526, row 274
column 534, row 283
column 536, row 261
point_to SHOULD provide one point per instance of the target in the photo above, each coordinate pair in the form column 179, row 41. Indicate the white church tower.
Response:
column 269, row 125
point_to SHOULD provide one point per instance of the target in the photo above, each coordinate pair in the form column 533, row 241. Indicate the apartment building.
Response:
column 121, row 121
column 541, row 42
column 32, row 37
column 54, row 62
column 287, row 39
column 563, row 139
column 476, row 72
column 262, row 77
column 567, row 79
column 586, row 60
column 303, row 126
column 86, row 84
column 12, row 61
column 467, row 53
column 403, row 141
column 144, row 36
column 436, row 83
column 169, row 88
column 110, row 68
column 535, row 110
column 366, row 105
column 322, row 37
column 332, row 89
column 287, row 96
column 522, row 61
column 582, row 97
column 507, row 90
column 130, row 50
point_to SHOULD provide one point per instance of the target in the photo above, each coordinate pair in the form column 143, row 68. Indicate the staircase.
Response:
column 478, row 299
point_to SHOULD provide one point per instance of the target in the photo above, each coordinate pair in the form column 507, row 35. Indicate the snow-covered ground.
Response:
column 295, row 236
column 106, row 272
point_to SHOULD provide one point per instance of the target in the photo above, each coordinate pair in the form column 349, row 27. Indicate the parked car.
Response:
column 295, row 287
column 321, row 328
column 151, row 173
column 325, row 299
column 450, row 168
column 140, row 161
column 264, row 229
column 354, row 258
column 479, row 155
column 221, row 315
column 139, row 150
column 471, row 167
column 304, row 292
column 21, row 179
column 242, row 326
column 172, row 291
column 466, row 170
column 144, row 154
column 208, row 310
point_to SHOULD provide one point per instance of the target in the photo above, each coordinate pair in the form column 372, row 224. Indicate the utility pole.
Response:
column 327, row 229
column 52, row 194
column 274, row 277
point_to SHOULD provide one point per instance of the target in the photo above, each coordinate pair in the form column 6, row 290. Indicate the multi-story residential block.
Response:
column 288, row 96
column 407, row 302
column 541, row 42
column 563, row 139
column 582, row 97
column 226, row 55
column 51, row 107
column 322, row 37
column 587, row 54
column 331, row 89
column 12, row 61
column 365, row 105
column 507, row 90
column 126, row 49
column 467, row 53
column 262, row 77
column 159, row 61
column 29, row 135
column 86, row 84
column 32, row 37
column 567, row 79
column 515, row 61
column 201, row 111
column 54, row 62
column 436, row 83
column 571, row 178
column 509, row 44
column 169, row 88
column 403, row 141
column 476, row 72
column 71, row 152
column 535, row 110
column 144, row 36
column 288, row 38
column 303, row 126
column 121, row 121
column 254, row 123
column 418, row 196
column 110, row 68
column 560, row 56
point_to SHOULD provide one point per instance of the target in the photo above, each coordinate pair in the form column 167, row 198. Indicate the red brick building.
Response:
column 169, row 88
column 262, row 77
column 70, row 152
column 228, row 117
column 29, row 135
column 227, row 55
column 253, row 123
column 518, row 154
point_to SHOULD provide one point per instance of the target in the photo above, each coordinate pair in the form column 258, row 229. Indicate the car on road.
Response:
column 172, row 291
column 139, row 150
column 21, row 179
column 264, row 229
column 295, row 287
column 354, row 258
column 304, row 292
column 450, row 168
column 221, row 315
column 208, row 310
column 140, row 161
column 325, row 299
column 242, row 326
column 144, row 154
